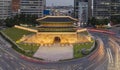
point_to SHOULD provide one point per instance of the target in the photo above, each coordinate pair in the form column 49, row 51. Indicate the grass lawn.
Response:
column 84, row 32
column 79, row 47
column 15, row 34
column 29, row 48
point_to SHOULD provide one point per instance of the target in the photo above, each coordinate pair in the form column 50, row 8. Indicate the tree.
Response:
column 105, row 21
column 89, row 22
column 9, row 22
column 93, row 21
column 2, row 22
column 115, row 19
column 21, row 19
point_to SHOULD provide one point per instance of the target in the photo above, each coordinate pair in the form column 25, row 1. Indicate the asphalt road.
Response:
column 11, row 60
column 112, row 47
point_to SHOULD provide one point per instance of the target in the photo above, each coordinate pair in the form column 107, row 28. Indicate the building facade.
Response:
column 33, row 7
column 115, row 7
column 100, row 9
column 5, row 8
column 76, row 7
column 57, row 30
column 103, row 8
column 15, row 7
column 76, row 2
column 83, row 12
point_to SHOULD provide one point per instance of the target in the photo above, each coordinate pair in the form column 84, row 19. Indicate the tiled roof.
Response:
column 57, row 19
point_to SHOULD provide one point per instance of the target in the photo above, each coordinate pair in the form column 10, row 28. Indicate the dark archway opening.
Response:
column 57, row 40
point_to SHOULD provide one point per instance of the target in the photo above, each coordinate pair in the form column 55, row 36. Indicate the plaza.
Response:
column 55, row 52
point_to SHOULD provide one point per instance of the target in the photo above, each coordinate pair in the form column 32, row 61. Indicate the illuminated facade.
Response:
column 57, row 29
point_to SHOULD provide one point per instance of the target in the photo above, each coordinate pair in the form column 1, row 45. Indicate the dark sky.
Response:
column 59, row 2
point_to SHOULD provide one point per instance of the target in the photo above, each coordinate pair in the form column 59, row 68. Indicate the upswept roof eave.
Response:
column 40, row 19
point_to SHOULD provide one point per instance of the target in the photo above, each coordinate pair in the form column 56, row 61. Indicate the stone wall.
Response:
column 50, row 38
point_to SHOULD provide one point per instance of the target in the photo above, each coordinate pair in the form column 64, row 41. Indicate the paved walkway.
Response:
column 54, row 52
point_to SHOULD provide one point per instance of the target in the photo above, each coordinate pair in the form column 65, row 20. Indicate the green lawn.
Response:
column 15, row 34
column 83, row 32
column 79, row 47
column 29, row 48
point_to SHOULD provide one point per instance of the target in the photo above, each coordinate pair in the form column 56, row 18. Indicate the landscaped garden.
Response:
column 16, row 34
column 83, row 46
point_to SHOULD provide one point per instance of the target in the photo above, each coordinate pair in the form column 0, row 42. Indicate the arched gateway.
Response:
column 57, row 40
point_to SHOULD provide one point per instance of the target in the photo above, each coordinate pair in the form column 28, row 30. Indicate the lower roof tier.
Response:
column 56, row 29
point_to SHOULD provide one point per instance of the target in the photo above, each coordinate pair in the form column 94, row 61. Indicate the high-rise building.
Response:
column 33, row 7
column 90, row 8
column 115, row 7
column 100, row 8
column 103, row 8
column 76, row 7
column 83, row 12
column 15, row 7
column 76, row 2
column 5, row 8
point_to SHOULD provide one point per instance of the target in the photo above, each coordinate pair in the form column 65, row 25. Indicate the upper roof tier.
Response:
column 57, row 19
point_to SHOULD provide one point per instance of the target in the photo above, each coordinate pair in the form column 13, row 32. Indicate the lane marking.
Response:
column 116, row 44
column 1, row 68
column 8, row 53
column 110, row 55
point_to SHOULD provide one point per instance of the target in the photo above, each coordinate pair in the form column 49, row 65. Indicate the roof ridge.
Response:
column 57, row 17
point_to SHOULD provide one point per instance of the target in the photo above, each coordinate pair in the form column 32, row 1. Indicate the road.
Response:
column 11, row 60
column 112, row 47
